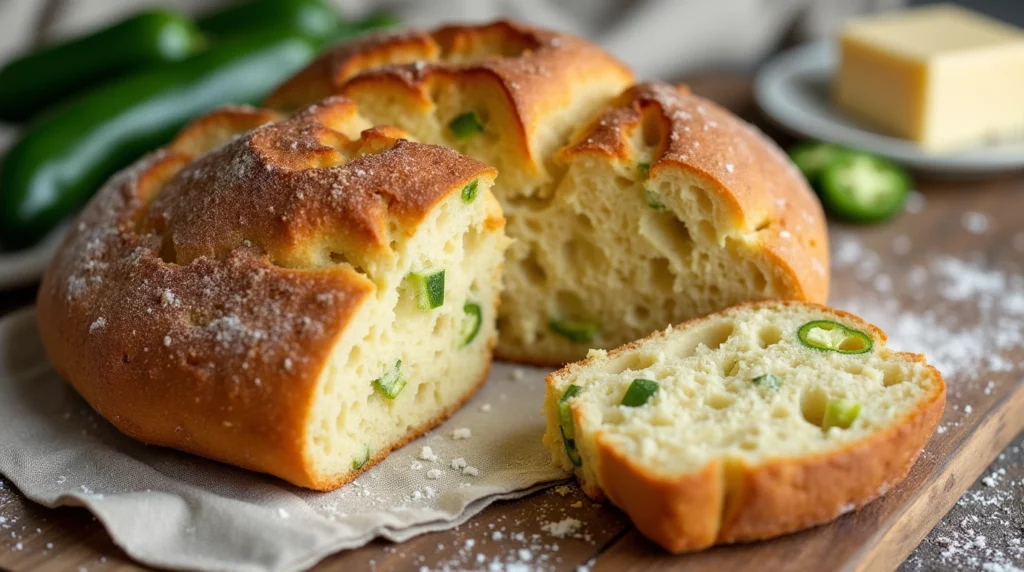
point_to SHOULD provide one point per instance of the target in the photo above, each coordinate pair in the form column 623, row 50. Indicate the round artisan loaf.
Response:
column 631, row 207
column 269, row 292
column 763, row 419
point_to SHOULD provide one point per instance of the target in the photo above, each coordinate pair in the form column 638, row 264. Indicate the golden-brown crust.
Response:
column 785, row 495
column 328, row 73
column 181, row 305
column 734, row 502
column 205, row 133
column 681, row 513
column 537, row 71
column 300, row 185
column 532, row 64
column 743, row 502
column 758, row 185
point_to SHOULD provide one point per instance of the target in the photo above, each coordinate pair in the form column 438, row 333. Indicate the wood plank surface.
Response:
column 877, row 537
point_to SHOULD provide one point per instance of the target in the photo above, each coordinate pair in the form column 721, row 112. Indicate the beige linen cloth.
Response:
column 173, row 510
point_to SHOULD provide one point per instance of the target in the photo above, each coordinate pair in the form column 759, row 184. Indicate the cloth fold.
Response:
column 174, row 510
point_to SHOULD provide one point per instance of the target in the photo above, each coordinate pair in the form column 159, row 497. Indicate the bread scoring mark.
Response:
column 528, row 67
column 319, row 189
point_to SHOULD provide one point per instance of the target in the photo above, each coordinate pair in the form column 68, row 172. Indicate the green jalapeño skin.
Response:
column 62, row 159
column 55, row 73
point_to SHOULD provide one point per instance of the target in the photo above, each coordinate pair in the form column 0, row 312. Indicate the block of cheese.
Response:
column 941, row 76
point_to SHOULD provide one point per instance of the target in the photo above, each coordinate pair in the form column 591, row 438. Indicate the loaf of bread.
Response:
column 631, row 207
column 760, row 420
column 295, row 296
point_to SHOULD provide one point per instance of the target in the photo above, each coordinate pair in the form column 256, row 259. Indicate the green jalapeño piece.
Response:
column 471, row 320
column 428, row 287
column 840, row 413
column 811, row 157
column 391, row 383
column 653, row 199
column 566, row 425
column 829, row 336
column 579, row 331
column 639, row 392
column 466, row 125
column 361, row 460
column 564, row 415
column 769, row 380
column 470, row 191
column 863, row 188
column 570, row 450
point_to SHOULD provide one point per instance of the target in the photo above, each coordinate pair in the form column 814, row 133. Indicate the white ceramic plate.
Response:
column 793, row 90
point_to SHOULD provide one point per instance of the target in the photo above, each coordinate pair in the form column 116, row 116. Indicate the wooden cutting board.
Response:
column 981, row 223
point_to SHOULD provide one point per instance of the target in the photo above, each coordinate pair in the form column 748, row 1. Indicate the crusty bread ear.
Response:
column 632, row 207
column 753, row 422
column 295, row 296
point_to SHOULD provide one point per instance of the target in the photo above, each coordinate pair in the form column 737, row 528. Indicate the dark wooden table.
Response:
column 877, row 538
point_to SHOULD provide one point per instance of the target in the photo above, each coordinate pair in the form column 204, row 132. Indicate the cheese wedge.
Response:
column 942, row 76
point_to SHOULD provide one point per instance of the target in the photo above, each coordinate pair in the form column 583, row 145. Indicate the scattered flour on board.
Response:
column 967, row 351
column 972, row 330
column 562, row 528
column 993, row 541
column 980, row 314
column 975, row 222
column 508, row 543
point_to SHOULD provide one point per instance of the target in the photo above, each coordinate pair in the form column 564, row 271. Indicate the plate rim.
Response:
column 779, row 72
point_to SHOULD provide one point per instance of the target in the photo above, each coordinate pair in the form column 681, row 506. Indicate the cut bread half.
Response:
column 757, row 421
column 295, row 296
column 632, row 207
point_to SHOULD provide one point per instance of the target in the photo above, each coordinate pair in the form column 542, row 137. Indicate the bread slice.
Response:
column 632, row 207
column 268, row 292
column 742, row 431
